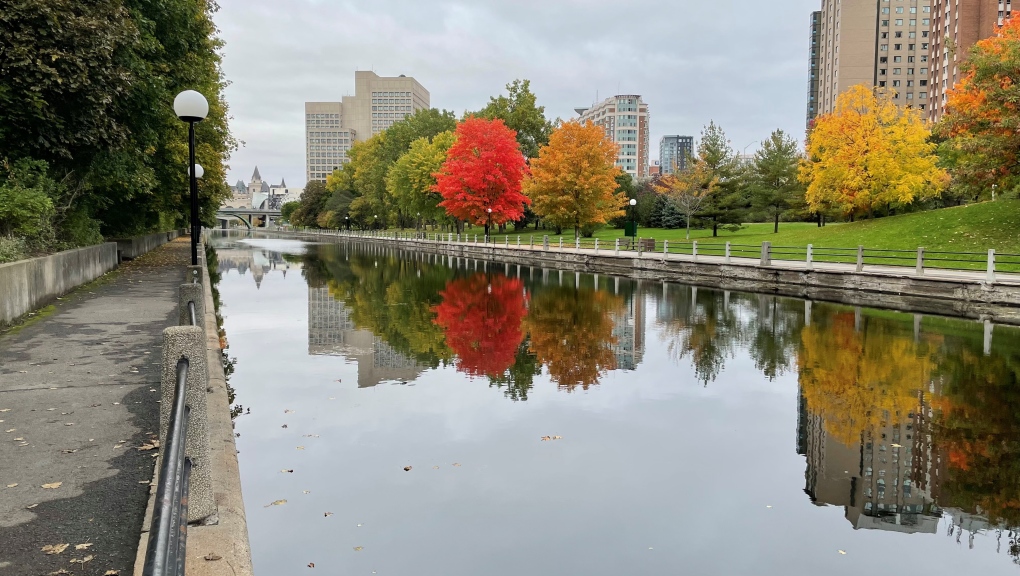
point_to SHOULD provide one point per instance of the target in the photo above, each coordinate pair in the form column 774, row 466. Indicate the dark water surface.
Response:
column 687, row 431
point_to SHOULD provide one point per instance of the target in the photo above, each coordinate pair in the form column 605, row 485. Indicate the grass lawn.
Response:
column 974, row 228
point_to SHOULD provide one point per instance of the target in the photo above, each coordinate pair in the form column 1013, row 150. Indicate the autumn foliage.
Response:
column 869, row 153
column 483, row 171
column 854, row 378
column 982, row 116
column 573, row 181
column 482, row 319
column 572, row 334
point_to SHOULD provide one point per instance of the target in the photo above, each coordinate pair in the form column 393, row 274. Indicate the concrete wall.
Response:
column 131, row 248
column 26, row 285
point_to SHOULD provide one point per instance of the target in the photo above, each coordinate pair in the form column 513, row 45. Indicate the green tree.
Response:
column 287, row 210
column 725, row 205
column 772, row 176
column 520, row 112
column 313, row 203
column 410, row 181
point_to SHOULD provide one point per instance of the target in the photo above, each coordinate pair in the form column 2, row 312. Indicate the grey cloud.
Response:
column 742, row 63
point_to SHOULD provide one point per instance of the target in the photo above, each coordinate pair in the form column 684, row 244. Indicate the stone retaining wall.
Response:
column 131, row 248
column 27, row 285
column 999, row 303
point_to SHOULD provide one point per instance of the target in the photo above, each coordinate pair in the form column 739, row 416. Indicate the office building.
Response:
column 625, row 120
column 956, row 26
column 878, row 43
column 674, row 152
column 814, row 51
column 331, row 128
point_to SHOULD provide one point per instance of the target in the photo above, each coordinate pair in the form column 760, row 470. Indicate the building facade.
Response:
column 956, row 26
column 879, row 43
column 625, row 119
column 261, row 195
column 674, row 152
column 331, row 128
column 813, row 61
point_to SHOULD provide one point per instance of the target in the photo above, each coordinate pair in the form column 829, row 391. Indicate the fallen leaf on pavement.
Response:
column 30, row 506
column 68, row 451
column 407, row 468
column 327, row 514
column 457, row 465
column 300, row 447
column 60, row 572
column 52, row 486
column 288, row 411
column 145, row 447
column 311, row 564
column 284, row 426
column 277, row 503
column 54, row 549
column 5, row 410
column 12, row 485
column 19, row 439
column 84, row 546
column 111, row 573
column 11, row 430
column 287, row 471
column 307, row 491
column 359, row 548
column 82, row 561
column 212, row 557
column 843, row 552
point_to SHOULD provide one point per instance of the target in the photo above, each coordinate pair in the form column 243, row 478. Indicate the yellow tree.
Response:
column 573, row 180
column 688, row 189
column 870, row 153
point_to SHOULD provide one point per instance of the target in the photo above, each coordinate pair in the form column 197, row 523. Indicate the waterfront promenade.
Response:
column 79, row 391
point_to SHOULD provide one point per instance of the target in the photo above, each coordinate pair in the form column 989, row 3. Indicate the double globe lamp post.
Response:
column 192, row 107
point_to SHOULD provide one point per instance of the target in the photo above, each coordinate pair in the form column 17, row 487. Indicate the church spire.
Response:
column 256, row 175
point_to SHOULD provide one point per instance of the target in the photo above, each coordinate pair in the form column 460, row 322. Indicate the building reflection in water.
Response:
column 331, row 332
column 259, row 262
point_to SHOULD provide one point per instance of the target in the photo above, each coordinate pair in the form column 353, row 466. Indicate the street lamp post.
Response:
column 192, row 107
column 488, row 221
column 633, row 218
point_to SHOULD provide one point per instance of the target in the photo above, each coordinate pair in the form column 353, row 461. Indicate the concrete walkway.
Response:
column 78, row 398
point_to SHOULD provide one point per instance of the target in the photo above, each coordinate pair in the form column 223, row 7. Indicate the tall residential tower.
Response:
column 956, row 26
column 878, row 43
column 625, row 120
column 674, row 152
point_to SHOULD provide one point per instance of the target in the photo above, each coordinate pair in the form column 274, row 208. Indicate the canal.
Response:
column 401, row 413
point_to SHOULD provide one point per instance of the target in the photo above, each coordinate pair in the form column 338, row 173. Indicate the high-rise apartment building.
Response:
column 332, row 127
column 625, row 120
column 955, row 27
column 881, row 43
column 674, row 152
column 813, row 61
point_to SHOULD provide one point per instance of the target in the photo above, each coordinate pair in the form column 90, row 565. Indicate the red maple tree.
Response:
column 480, row 182
column 482, row 317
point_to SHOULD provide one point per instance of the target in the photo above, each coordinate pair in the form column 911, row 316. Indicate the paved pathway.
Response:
column 78, row 397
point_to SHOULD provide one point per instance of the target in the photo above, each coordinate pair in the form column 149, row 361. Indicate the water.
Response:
column 557, row 423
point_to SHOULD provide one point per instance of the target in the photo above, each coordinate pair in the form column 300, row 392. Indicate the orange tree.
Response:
column 573, row 181
column 572, row 333
column 982, row 119
column 869, row 153
column 482, row 318
column 480, row 182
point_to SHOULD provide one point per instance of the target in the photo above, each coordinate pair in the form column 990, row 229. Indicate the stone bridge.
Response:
column 250, row 217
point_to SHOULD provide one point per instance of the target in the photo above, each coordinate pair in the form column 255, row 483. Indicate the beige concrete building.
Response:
column 331, row 128
column 956, row 26
column 625, row 119
column 881, row 43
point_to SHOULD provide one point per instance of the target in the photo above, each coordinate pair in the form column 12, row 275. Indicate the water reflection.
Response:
column 910, row 425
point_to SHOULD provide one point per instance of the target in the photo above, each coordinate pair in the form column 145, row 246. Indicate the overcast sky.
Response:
column 742, row 63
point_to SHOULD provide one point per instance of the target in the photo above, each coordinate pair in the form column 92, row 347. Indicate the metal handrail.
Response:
column 164, row 555
column 191, row 311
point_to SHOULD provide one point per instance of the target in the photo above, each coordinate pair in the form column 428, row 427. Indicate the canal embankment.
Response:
column 958, row 293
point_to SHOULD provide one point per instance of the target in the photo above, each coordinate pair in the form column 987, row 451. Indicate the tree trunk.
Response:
column 715, row 229
column 777, row 224
column 688, row 227
column 819, row 219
